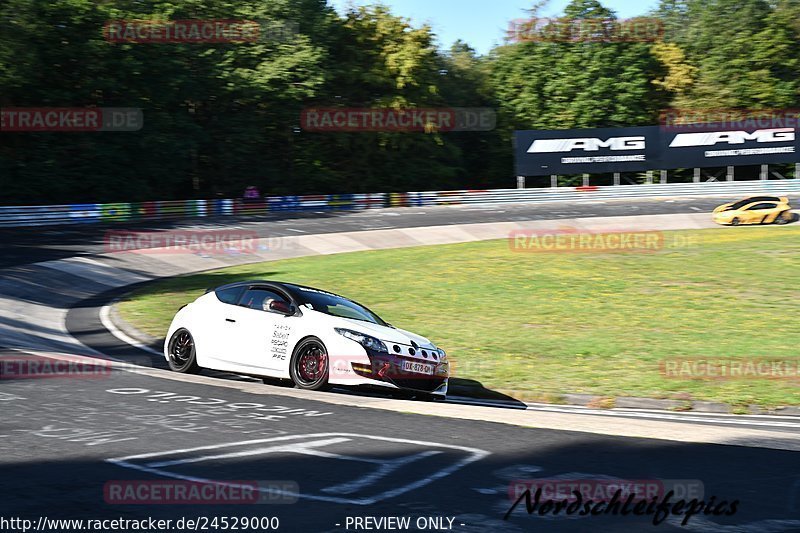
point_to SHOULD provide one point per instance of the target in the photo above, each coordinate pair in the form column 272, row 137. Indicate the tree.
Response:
column 576, row 84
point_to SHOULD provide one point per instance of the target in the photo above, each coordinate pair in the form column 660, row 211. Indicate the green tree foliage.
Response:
column 378, row 61
column 219, row 117
column 738, row 53
column 577, row 83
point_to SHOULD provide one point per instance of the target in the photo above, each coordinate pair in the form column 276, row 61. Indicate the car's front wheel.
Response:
column 735, row 221
column 309, row 368
column 181, row 353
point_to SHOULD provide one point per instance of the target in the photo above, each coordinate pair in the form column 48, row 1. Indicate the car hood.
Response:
column 723, row 207
column 383, row 333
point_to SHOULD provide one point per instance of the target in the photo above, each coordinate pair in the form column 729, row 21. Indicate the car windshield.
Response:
column 334, row 305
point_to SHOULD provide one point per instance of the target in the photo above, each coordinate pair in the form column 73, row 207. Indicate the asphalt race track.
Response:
column 319, row 460
column 24, row 246
column 61, row 436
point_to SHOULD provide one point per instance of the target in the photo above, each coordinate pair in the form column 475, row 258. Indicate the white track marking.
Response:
column 711, row 418
column 293, row 447
column 105, row 319
column 384, row 469
column 474, row 454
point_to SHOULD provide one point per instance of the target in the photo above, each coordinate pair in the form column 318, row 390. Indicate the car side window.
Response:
column 255, row 298
column 230, row 295
column 762, row 206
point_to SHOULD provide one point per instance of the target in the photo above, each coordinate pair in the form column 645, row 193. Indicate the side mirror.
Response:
column 279, row 306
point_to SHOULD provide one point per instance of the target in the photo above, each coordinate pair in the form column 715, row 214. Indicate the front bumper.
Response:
column 388, row 368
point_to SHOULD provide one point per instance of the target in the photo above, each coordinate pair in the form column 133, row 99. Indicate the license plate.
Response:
column 417, row 368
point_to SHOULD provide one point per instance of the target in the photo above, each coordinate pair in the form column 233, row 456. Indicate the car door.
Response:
column 758, row 213
column 259, row 342
column 214, row 333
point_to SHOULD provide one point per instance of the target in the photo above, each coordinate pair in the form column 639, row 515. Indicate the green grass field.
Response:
column 537, row 325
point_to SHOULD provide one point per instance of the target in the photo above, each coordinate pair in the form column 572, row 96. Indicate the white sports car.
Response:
column 313, row 337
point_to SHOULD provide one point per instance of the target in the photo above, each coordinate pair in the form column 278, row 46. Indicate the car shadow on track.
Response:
column 460, row 391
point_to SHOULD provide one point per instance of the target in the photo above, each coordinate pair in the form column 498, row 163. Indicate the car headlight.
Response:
column 442, row 355
column 364, row 340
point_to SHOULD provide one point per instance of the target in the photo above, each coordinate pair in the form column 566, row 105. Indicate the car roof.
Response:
column 751, row 199
column 291, row 288
column 246, row 282
column 739, row 204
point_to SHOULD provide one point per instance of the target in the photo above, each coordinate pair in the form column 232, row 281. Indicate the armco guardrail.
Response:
column 182, row 209
column 725, row 188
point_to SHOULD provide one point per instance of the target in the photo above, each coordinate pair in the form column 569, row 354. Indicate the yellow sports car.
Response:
column 755, row 210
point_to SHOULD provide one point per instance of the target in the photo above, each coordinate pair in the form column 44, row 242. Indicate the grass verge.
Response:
column 538, row 325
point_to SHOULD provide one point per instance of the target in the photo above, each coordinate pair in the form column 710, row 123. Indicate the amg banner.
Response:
column 542, row 152
column 721, row 145
column 604, row 150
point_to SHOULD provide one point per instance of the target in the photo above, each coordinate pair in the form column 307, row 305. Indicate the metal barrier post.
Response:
column 663, row 176
column 764, row 172
column 520, row 182
column 554, row 180
column 649, row 178
column 729, row 174
column 797, row 171
column 696, row 178
column 586, row 180
column 616, row 178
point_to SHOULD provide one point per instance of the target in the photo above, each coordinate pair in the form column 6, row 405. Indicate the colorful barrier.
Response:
column 19, row 216
column 114, row 213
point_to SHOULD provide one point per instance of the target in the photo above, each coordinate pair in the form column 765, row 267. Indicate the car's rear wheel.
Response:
column 783, row 218
column 181, row 353
column 309, row 367
column 735, row 221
